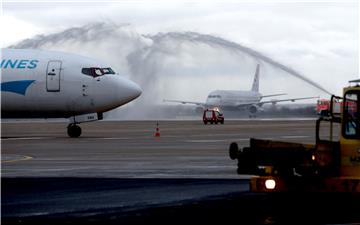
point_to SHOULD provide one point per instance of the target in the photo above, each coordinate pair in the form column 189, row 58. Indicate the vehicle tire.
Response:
column 74, row 131
column 222, row 122
column 205, row 122
column 233, row 151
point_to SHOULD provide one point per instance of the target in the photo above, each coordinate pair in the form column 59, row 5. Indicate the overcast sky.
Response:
column 318, row 38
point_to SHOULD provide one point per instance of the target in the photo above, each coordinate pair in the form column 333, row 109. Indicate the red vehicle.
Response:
column 323, row 107
column 213, row 116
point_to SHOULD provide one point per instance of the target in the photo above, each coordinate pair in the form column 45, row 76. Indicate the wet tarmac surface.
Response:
column 165, row 201
column 119, row 173
column 185, row 149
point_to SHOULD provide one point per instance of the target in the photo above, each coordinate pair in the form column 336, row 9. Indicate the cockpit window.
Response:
column 96, row 72
column 86, row 71
column 108, row 70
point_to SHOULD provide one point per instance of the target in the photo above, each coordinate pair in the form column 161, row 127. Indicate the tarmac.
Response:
column 118, row 172
column 128, row 149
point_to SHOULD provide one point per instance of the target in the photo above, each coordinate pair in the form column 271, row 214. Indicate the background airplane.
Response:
column 233, row 100
column 51, row 84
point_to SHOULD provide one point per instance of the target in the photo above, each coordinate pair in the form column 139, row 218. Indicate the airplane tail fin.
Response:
column 255, row 86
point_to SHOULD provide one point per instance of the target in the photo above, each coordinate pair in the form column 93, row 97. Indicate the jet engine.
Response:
column 254, row 109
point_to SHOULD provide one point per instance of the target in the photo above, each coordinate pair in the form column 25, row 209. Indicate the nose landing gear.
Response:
column 74, row 130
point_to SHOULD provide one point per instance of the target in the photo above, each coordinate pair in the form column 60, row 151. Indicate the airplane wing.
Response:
column 274, row 101
column 185, row 102
column 265, row 96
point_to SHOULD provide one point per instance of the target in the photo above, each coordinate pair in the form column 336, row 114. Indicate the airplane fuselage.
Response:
column 235, row 100
column 44, row 84
column 225, row 99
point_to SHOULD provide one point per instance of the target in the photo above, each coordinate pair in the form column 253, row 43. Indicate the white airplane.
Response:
column 52, row 84
column 234, row 100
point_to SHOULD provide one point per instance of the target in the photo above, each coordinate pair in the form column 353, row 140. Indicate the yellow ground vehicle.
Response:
column 327, row 166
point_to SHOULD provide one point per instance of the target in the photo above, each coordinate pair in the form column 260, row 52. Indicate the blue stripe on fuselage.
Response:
column 18, row 87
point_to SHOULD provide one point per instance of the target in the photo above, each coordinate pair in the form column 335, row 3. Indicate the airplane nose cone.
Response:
column 128, row 90
column 114, row 91
column 134, row 90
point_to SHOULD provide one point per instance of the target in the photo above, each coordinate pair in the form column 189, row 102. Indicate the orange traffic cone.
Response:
column 157, row 132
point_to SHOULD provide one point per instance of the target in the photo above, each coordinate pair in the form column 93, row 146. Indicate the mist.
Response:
column 174, row 65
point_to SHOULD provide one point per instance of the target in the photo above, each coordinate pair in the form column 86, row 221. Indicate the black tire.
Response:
column 234, row 151
column 222, row 122
column 74, row 131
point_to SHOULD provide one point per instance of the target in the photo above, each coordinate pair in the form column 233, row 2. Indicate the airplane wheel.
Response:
column 74, row 131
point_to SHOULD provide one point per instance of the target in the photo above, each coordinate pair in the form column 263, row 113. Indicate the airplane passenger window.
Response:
column 214, row 96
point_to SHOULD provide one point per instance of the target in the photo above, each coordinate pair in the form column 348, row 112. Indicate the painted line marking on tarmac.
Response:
column 220, row 140
column 294, row 136
column 25, row 138
column 115, row 138
column 24, row 158
column 204, row 141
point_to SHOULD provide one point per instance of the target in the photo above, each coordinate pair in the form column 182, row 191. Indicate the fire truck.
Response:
column 213, row 116
column 323, row 107
column 329, row 165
